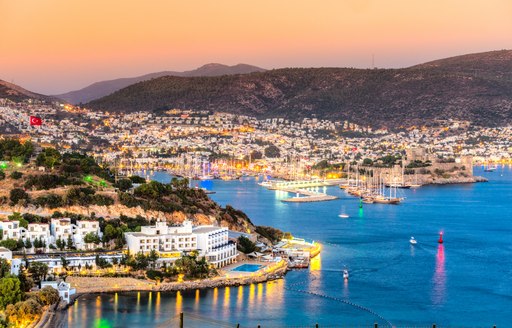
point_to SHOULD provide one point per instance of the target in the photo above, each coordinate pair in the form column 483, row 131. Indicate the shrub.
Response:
column 16, row 175
column 18, row 194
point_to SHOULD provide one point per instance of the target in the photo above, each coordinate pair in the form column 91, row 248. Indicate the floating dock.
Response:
column 307, row 196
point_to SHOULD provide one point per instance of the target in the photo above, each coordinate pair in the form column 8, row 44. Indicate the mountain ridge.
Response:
column 103, row 88
column 473, row 87
column 16, row 93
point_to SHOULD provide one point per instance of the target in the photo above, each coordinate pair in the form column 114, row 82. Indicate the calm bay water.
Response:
column 464, row 282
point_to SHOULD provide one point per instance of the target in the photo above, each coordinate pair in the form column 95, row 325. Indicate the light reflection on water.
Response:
column 439, row 288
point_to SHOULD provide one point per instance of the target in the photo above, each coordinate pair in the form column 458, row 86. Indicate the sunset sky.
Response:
column 54, row 46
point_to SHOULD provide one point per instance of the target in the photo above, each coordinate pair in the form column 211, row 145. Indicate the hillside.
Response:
column 103, row 88
column 16, row 93
column 475, row 87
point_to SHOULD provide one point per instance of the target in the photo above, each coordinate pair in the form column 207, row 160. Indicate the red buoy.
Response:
column 440, row 238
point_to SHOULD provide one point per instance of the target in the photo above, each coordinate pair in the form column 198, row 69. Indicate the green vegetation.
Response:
column 272, row 234
column 17, row 307
column 48, row 158
column 272, row 151
column 245, row 245
column 15, row 151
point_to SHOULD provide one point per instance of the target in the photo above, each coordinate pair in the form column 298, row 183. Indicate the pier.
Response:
column 282, row 185
column 307, row 196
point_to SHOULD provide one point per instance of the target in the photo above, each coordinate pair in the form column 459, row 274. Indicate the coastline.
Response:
column 104, row 285
column 91, row 285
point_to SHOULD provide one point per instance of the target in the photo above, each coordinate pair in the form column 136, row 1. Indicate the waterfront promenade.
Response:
column 269, row 271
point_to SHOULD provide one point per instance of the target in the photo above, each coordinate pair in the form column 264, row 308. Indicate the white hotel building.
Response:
column 63, row 228
column 210, row 241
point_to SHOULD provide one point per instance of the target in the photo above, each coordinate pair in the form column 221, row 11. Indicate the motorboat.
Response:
column 345, row 274
column 344, row 216
column 413, row 241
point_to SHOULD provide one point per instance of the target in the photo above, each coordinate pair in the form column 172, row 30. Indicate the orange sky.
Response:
column 53, row 46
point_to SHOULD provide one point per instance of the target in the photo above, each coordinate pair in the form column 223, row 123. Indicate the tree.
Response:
column 5, row 268
column 245, row 245
column 91, row 238
column 152, row 257
column 109, row 233
column 20, row 313
column 367, row 162
column 101, row 262
column 137, row 179
column 18, row 194
column 28, row 244
column 69, row 242
column 48, row 295
column 64, row 262
column 11, row 244
column 61, row 244
column 20, row 244
column 10, row 291
column 16, row 175
column 38, row 271
column 26, row 283
column 272, row 151
column 124, row 184
column 48, row 158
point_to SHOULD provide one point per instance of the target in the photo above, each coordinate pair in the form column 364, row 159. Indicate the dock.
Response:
column 307, row 196
column 281, row 185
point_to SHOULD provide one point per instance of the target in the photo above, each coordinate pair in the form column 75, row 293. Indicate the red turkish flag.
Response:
column 34, row 120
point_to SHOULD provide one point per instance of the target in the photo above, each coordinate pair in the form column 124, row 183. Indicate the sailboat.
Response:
column 490, row 167
column 343, row 214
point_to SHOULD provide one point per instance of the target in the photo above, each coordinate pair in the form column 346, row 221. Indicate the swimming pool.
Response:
column 247, row 268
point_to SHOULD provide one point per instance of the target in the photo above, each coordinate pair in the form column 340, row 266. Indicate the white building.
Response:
column 64, row 289
column 39, row 231
column 6, row 254
column 74, row 262
column 10, row 229
column 211, row 242
column 63, row 229
column 81, row 229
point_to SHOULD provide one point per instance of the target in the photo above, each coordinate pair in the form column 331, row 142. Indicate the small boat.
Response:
column 413, row 241
column 345, row 274
column 343, row 214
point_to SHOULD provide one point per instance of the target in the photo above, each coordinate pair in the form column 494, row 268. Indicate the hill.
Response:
column 16, row 93
column 103, row 88
column 476, row 87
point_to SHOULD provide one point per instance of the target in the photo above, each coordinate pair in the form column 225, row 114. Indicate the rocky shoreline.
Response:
column 458, row 180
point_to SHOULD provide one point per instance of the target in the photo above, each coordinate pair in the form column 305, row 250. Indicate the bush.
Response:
column 16, row 175
column 123, row 184
column 272, row 234
column 10, row 291
column 102, row 200
column 48, row 296
column 2, row 175
column 245, row 245
column 154, row 274
column 137, row 179
column 44, row 181
column 18, row 194
column 50, row 201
